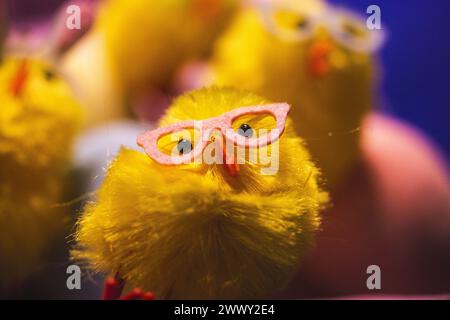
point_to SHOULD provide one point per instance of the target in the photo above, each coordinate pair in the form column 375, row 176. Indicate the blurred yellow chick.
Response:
column 136, row 46
column 314, row 56
column 199, row 231
column 38, row 122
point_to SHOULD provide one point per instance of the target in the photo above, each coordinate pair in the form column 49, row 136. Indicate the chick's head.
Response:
column 196, row 231
column 318, row 58
column 38, row 117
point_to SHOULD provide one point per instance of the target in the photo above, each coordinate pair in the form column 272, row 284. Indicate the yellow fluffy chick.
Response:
column 135, row 47
column 196, row 232
column 38, row 121
column 147, row 41
column 314, row 56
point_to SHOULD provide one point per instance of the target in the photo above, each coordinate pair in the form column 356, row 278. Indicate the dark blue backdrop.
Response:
column 416, row 64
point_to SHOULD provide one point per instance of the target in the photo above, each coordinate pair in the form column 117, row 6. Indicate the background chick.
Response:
column 135, row 47
column 193, row 231
column 38, row 122
column 277, row 53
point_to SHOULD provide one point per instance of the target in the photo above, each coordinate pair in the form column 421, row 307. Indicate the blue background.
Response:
column 416, row 66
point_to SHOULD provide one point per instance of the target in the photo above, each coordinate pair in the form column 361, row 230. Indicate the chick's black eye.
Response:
column 352, row 30
column 303, row 24
column 49, row 75
column 245, row 130
column 184, row 146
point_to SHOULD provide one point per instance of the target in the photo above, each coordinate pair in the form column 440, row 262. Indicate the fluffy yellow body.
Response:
column 192, row 231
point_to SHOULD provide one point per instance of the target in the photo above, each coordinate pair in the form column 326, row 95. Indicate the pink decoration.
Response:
column 149, row 140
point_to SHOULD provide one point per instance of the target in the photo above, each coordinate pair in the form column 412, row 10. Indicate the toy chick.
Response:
column 38, row 121
column 194, row 217
column 316, row 57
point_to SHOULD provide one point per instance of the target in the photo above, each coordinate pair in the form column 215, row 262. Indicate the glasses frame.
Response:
column 149, row 139
column 330, row 18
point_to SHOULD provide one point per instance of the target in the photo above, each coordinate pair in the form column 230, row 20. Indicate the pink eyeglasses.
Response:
column 242, row 137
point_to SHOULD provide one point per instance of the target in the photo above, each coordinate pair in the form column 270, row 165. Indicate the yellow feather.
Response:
column 194, row 232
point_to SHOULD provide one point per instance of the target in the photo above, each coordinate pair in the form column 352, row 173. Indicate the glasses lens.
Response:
column 254, row 125
column 290, row 25
column 179, row 143
column 352, row 32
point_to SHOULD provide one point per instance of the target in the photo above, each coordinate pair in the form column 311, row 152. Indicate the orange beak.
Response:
column 18, row 81
column 230, row 164
column 229, row 161
column 318, row 63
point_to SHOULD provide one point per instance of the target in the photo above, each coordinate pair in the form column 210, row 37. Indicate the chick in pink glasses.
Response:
column 195, row 216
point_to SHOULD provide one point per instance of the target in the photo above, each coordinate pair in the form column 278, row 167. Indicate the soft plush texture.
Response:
column 38, row 122
column 193, row 231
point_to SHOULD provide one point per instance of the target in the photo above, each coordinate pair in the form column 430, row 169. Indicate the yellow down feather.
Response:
column 193, row 232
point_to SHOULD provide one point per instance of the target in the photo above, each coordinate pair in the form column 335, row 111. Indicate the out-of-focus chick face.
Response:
column 314, row 56
column 311, row 54
column 195, row 231
column 38, row 115
column 147, row 41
